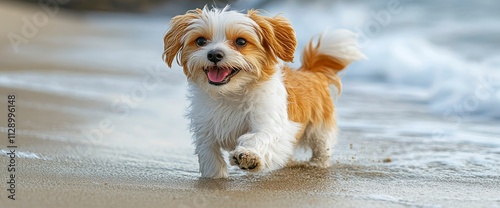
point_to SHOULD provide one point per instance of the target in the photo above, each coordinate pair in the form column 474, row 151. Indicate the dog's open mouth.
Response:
column 219, row 75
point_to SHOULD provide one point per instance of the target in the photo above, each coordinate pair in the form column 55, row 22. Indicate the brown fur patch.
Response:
column 314, row 61
column 309, row 100
column 277, row 35
column 172, row 40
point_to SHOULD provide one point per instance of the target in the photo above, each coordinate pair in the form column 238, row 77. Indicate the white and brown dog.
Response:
column 245, row 100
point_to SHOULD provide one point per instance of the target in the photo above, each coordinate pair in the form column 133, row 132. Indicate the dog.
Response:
column 245, row 99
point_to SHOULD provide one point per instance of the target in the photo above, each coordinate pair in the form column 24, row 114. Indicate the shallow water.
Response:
column 94, row 95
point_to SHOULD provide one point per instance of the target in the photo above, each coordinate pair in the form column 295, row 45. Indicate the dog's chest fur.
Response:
column 223, row 119
column 220, row 120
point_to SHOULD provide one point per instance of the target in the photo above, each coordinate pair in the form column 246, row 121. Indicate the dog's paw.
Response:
column 246, row 160
column 319, row 162
column 215, row 175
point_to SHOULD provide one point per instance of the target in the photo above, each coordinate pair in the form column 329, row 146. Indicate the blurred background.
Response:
column 90, row 73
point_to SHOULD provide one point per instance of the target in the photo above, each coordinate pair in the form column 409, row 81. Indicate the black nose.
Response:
column 215, row 55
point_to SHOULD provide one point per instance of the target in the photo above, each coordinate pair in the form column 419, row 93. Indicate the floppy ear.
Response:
column 172, row 39
column 277, row 34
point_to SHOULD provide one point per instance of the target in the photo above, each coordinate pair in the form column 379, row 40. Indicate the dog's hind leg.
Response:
column 321, row 140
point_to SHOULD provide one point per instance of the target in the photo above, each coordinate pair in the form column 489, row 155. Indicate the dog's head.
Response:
column 225, row 51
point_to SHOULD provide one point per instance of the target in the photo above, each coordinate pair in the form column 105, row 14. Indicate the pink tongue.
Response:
column 217, row 74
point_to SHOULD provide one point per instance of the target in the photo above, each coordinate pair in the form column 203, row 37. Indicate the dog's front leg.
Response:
column 212, row 164
column 268, row 146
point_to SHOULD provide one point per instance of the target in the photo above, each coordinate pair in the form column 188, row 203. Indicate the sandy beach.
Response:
column 99, row 123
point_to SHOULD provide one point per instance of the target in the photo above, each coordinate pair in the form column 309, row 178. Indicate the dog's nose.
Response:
column 215, row 55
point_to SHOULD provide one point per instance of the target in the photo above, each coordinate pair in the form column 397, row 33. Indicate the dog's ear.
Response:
column 172, row 40
column 277, row 35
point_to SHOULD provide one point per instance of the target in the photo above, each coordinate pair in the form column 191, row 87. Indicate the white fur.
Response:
column 231, row 117
column 321, row 140
column 341, row 44
column 256, row 121
column 218, row 22
column 251, row 123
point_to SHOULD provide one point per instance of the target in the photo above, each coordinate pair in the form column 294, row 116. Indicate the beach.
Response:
column 100, row 123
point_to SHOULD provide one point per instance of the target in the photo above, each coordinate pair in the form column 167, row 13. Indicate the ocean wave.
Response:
column 443, row 56
column 454, row 85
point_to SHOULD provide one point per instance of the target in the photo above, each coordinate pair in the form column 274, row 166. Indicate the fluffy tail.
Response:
column 331, row 53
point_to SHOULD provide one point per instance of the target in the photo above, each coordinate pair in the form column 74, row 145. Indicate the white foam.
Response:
column 21, row 154
column 78, row 85
column 415, row 50
column 453, row 85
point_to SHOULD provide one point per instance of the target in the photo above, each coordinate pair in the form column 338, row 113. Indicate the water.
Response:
column 444, row 54
column 438, row 65
column 427, row 98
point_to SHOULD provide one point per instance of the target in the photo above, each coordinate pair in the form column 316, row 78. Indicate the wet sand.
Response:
column 342, row 185
column 146, row 160
column 107, row 177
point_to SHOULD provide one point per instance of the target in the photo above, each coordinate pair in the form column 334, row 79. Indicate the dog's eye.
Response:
column 241, row 42
column 201, row 41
